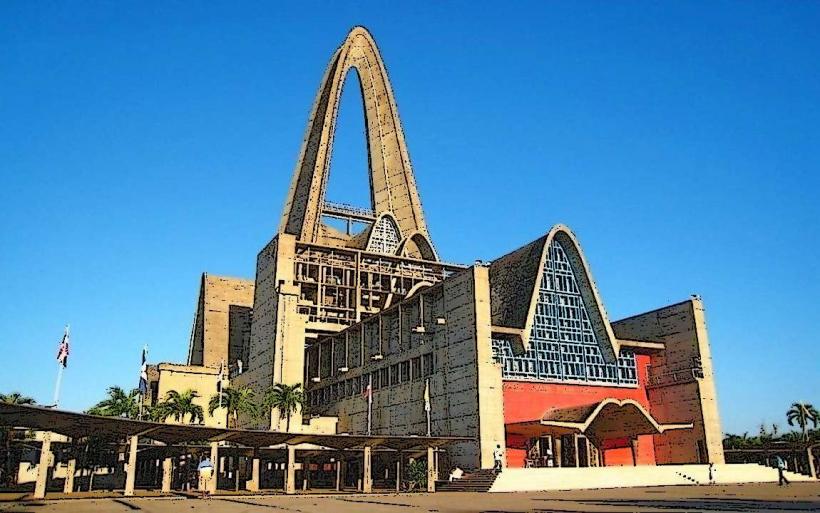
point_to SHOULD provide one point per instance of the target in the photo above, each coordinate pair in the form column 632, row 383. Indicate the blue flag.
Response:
column 144, row 372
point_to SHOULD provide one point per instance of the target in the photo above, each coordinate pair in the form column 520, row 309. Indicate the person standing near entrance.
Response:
column 206, row 473
column 498, row 456
column 781, row 467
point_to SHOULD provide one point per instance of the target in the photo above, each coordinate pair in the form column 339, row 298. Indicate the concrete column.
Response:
column 290, row 473
column 167, row 474
column 812, row 469
column 635, row 451
column 306, row 474
column 398, row 474
column 42, row 467
column 253, row 483
column 367, row 471
column 213, row 482
column 70, row 470
column 577, row 456
column 338, row 475
column 431, row 469
column 557, row 452
column 131, row 468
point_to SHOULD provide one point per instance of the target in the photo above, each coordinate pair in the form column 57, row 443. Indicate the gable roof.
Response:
column 516, row 277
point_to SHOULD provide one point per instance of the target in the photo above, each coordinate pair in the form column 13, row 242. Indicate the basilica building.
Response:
column 356, row 305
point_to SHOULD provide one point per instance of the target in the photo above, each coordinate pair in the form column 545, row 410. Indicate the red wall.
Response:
column 524, row 401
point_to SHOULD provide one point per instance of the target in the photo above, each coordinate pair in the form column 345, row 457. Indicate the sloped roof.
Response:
column 610, row 418
column 516, row 277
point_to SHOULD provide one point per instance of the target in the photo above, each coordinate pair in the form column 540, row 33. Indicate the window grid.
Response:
column 385, row 237
column 563, row 345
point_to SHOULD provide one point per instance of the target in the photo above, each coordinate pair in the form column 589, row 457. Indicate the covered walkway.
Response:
column 583, row 436
column 167, row 453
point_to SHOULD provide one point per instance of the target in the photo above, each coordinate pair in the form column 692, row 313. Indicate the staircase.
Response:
column 478, row 481
column 541, row 479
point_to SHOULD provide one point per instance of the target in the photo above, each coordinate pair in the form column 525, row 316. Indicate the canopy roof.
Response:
column 609, row 418
column 81, row 425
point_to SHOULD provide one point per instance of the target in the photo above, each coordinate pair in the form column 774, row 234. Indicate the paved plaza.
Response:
column 734, row 498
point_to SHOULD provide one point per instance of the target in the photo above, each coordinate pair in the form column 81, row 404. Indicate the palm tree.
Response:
column 179, row 406
column 235, row 401
column 792, row 436
column 7, row 435
column 288, row 399
column 156, row 413
column 118, row 404
column 803, row 413
column 16, row 398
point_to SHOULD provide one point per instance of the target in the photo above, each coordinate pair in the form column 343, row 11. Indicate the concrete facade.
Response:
column 224, row 311
column 381, row 333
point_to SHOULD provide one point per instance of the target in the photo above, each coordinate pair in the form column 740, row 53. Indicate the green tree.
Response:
column 182, row 405
column 11, row 458
column 155, row 413
column 416, row 473
column 236, row 401
column 792, row 437
column 288, row 399
column 802, row 414
column 118, row 404
column 16, row 398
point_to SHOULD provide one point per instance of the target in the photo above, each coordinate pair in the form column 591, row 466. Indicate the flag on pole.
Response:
column 143, row 387
column 367, row 392
column 427, row 405
column 62, row 350
column 221, row 376
column 427, row 395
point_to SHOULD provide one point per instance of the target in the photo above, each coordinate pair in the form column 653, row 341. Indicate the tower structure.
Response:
column 313, row 279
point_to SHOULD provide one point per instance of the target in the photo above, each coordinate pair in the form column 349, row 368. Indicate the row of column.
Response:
column 251, row 485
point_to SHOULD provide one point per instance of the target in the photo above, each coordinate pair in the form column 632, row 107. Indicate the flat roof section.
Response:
column 81, row 425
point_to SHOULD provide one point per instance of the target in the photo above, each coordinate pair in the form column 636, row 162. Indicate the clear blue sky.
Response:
column 143, row 143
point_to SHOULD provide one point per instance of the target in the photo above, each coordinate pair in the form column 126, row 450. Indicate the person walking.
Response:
column 781, row 467
column 498, row 456
column 206, row 473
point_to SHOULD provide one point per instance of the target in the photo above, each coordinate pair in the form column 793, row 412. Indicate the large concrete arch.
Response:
column 392, row 185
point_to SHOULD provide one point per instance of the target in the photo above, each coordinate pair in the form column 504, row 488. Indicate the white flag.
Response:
column 427, row 395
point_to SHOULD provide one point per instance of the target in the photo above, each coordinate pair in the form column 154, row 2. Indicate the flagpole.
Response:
column 427, row 404
column 59, row 382
column 369, row 402
column 60, row 368
column 219, row 383
column 143, row 380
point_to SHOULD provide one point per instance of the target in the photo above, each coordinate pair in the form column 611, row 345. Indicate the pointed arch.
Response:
column 384, row 235
column 417, row 245
column 392, row 184
column 515, row 280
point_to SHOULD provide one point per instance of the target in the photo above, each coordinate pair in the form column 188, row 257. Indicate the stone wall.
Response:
column 222, row 322
column 681, row 384
column 453, row 328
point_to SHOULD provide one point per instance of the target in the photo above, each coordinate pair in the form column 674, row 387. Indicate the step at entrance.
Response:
column 478, row 481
